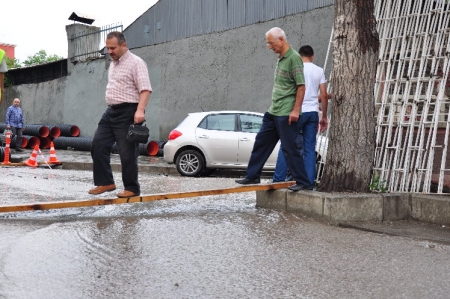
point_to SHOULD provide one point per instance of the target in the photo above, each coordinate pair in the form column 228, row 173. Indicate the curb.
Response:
column 342, row 208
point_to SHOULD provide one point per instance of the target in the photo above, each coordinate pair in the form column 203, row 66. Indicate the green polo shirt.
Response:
column 288, row 76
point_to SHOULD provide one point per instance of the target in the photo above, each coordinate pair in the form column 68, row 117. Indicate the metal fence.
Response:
column 90, row 43
column 412, row 97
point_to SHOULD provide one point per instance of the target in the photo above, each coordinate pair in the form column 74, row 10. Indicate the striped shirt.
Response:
column 127, row 78
column 288, row 76
column 14, row 117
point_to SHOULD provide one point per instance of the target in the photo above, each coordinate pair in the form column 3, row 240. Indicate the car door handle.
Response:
column 203, row 136
column 244, row 139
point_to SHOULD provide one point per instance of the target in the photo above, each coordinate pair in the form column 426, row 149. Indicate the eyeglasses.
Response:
column 271, row 43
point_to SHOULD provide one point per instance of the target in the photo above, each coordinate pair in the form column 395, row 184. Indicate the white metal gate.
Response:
column 412, row 91
column 412, row 95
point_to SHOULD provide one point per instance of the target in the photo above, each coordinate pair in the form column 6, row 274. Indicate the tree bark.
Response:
column 351, row 146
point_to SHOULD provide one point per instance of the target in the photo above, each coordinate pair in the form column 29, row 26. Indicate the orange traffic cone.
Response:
column 53, row 158
column 32, row 161
column 7, row 148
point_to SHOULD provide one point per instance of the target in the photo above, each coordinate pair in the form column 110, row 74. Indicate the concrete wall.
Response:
column 220, row 71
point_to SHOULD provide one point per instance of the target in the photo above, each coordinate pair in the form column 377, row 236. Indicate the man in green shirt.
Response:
column 280, row 122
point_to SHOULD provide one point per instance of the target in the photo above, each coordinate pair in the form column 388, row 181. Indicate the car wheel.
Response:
column 190, row 163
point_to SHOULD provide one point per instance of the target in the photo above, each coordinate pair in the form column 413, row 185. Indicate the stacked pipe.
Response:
column 31, row 141
column 45, row 133
column 76, row 143
column 56, row 130
column 84, row 144
column 154, row 148
column 66, row 136
column 13, row 141
column 151, row 148
column 40, row 131
column 69, row 130
column 36, row 130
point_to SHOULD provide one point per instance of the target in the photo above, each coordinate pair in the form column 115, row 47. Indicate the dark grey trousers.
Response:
column 113, row 127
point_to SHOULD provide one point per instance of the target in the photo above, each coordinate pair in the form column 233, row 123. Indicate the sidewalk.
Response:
column 338, row 208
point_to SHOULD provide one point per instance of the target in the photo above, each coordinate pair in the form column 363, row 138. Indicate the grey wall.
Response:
column 227, row 70
column 77, row 99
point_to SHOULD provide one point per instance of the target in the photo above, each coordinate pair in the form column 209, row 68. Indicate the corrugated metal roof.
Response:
column 170, row 20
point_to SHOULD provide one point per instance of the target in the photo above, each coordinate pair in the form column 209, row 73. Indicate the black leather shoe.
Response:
column 248, row 181
column 298, row 187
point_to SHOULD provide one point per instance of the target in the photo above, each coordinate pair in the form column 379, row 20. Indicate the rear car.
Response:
column 206, row 141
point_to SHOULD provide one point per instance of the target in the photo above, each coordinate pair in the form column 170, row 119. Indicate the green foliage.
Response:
column 40, row 58
column 378, row 185
column 12, row 63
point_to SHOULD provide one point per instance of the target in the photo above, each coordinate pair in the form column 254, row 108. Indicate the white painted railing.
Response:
column 412, row 91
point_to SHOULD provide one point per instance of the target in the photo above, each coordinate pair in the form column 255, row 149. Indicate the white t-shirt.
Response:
column 314, row 76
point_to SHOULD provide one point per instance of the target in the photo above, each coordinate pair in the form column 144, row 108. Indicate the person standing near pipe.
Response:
column 127, row 94
column 14, row 122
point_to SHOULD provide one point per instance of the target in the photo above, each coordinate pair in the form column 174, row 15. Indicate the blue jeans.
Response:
column 276, row 128
column 306, row 143
column 281, row 168
column 113, row 127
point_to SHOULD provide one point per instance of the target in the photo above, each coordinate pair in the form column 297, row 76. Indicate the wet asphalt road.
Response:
column 205, row 247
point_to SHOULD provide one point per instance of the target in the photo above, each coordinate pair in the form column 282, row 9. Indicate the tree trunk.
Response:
column 351, row 146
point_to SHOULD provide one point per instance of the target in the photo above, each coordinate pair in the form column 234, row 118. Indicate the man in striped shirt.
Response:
column 280, row 122
column 127, row 94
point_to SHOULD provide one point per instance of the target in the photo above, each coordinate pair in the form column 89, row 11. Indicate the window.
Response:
column 219, row 122
column 250, row 123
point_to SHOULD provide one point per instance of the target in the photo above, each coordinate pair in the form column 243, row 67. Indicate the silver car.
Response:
column 206, row 141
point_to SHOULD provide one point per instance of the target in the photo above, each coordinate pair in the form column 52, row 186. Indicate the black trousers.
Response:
column 113, row 127
column 18, row 134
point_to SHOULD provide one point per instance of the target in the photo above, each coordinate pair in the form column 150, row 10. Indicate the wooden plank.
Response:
column 142, row 198
column 23, row 164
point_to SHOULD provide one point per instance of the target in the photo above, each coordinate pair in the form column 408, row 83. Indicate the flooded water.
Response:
column 204, row 247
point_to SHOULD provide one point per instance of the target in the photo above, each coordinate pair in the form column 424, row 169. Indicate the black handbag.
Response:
column 138, row 133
